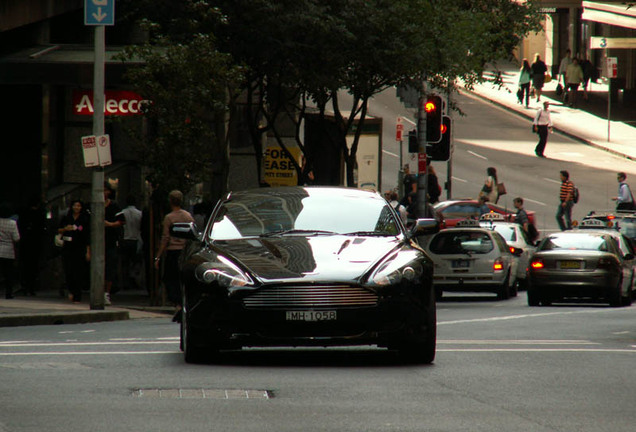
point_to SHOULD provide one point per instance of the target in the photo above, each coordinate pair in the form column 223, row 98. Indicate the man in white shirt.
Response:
column 131, row 245
column 542, row 125
column 625, row 199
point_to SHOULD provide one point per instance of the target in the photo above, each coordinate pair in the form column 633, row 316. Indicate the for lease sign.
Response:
column 117, row 102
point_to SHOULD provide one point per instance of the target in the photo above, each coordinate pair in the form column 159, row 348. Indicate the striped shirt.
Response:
column 567, row 191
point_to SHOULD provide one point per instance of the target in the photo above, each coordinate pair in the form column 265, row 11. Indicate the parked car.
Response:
column 582, row 263
column 306, row 266
column 470, row 258
column 520, row 245
column 455, row 210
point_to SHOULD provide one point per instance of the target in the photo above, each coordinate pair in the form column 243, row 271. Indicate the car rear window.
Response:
column 574, row 242
column 461, row 242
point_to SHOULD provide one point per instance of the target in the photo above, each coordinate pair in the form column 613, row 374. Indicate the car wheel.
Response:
column 504, row 290
column 627, row 300
column 419, row 346
column 533, row 297
column 615, row 297
column 514, row 289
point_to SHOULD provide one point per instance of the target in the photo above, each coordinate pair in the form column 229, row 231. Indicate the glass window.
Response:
column 461, row 211
column 459, row 242
column 574, row 242
column 507, row 232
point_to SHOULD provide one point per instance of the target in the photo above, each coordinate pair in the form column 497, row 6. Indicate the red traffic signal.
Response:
column 441, row 151
column 433, row 109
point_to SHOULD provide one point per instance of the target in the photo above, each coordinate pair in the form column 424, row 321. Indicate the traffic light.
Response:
column 441, row 151
column 413, row 145
column 433, row 110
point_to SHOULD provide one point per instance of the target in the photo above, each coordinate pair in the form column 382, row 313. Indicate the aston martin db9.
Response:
column 306, row 266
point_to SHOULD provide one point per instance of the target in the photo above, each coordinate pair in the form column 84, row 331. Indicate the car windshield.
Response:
column 575, row 242
column 307, row 212
column 461, row 242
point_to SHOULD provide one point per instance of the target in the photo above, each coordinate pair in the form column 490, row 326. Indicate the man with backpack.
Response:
column 522, row 219
column 567, row 200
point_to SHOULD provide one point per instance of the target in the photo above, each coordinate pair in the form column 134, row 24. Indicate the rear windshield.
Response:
column 575, row 242
column 461, row 242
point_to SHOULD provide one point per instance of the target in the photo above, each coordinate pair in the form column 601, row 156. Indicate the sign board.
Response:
column 399, row 128
column 96, row 150
column 421, row 163
column 278, row 169
column 103, row 149
column 89, row 147
column 99, row 12
column 116, row 102
column 598, row 42
column 611, row 67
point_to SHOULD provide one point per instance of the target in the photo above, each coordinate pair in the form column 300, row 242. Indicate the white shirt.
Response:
column 132, row 227
column 624, row 194
column 542, row 118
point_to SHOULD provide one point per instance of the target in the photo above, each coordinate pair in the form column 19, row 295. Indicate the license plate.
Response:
column 310, row 315
column 570, row 264
column 460, row 264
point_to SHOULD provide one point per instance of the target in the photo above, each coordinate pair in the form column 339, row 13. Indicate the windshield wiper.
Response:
column 370, row 233
column 295, row 231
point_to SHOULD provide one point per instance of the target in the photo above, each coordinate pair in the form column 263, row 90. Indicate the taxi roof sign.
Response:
column 492, row 216
column 592, row 223
column 468, row 223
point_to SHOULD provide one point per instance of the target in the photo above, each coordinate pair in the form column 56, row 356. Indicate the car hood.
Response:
column 313, row 258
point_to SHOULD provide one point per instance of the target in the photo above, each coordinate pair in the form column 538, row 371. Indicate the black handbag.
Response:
column 559, row 89
column 520, row 94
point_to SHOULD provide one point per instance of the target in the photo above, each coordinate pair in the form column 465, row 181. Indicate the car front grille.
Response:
column 310, row 296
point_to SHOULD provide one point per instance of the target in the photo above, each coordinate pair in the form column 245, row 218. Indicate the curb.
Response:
column 56, row 318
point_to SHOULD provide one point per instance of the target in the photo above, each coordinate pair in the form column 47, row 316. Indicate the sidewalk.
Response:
column 48, row 308
column 587, row 123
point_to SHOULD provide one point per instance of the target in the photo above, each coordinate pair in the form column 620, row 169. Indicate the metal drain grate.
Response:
column 202, row 394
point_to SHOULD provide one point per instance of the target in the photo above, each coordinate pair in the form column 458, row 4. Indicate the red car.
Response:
column 456, row 210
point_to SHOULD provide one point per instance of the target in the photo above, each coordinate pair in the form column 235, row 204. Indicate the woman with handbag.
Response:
column 489, row 189
column 525, row 76
column 74, row 228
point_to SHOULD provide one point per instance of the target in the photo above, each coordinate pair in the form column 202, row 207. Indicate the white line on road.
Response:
column 49, row 344
column 515, row 342
column 88, row 353
column 408, row 120
column 552, row 180
column 390, row 154
column 459, row 179
column 535, row 202
column 526, row 350
column 536, row 315
column 478, row 155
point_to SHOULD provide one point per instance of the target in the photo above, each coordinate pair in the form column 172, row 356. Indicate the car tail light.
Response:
column 606, row 263
column 498, row 265
column 512, row 250
column 537, row 264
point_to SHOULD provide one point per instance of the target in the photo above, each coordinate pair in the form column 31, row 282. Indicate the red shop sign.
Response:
column 117, row 102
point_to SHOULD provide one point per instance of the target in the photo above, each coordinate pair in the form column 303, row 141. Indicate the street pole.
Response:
column 422, row 177
column 97, row 190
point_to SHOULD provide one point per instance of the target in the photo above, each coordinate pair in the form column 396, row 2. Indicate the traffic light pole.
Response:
column 422, row 177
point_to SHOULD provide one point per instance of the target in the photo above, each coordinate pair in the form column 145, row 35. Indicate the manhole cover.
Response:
column 154, row 393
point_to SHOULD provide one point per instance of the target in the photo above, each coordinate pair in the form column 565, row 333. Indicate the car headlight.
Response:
column 223, row 272
column 396, row 268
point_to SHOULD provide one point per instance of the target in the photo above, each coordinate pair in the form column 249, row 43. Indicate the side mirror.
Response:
column 424, row 227
column 628, row 257
column 185, row 230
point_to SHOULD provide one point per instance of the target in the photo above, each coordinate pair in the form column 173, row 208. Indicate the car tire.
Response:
column 627, row 300
column 533, row 297
column 615, row 296
column 420, row 344
column 503, row 293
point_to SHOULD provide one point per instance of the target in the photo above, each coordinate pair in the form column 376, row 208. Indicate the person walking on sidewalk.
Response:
column 538, row 75
column 525, row 76
column 113, row 222
column 172, row 246
column 542, row 125
column 9, row 238
column 563, row 67
column 76, row 252
column 566, row 198
column 131, row 245
column 489, row 189
column 625, row 199
column 575, row 78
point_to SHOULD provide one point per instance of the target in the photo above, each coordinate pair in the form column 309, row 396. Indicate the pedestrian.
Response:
column 172, row 247
column 489, row 189
column 76, row 252
column 563, row 66
column 9, row 238
column 566, row 201
column 131, row 244
column 538, row 75
column 113, row 222
column 32, row 227
column 625, row 199
column 525, row 77
column 523, row 220
column 483, row 207
column 542, row 125
column 410, row 184
column 434, row 189
column 589, row 73
column 399, row 208
column 575, row 78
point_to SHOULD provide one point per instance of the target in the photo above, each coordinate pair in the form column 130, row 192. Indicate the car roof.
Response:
column 287, row 191
column 605, row 213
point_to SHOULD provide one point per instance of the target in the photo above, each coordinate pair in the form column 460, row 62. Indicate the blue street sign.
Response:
column 99, row 12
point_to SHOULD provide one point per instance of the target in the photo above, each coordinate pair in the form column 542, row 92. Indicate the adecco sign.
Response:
column 120, row 103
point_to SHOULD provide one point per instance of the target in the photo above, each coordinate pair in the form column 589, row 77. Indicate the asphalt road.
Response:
column 501, row 366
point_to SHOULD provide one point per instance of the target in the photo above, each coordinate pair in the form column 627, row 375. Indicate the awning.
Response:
column 622, row 15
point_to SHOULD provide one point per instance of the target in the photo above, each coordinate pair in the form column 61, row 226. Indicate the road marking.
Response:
column 535, row 202
column 69, row 353
column 72, row 343
column 542, row 350
column 522, row 316
column 459, row 179
column 552, row 180
column 390, row 154
column 478, row 155
column 515, row 342
column 408, row 120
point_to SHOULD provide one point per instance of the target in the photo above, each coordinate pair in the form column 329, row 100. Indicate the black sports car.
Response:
column 306, row 266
